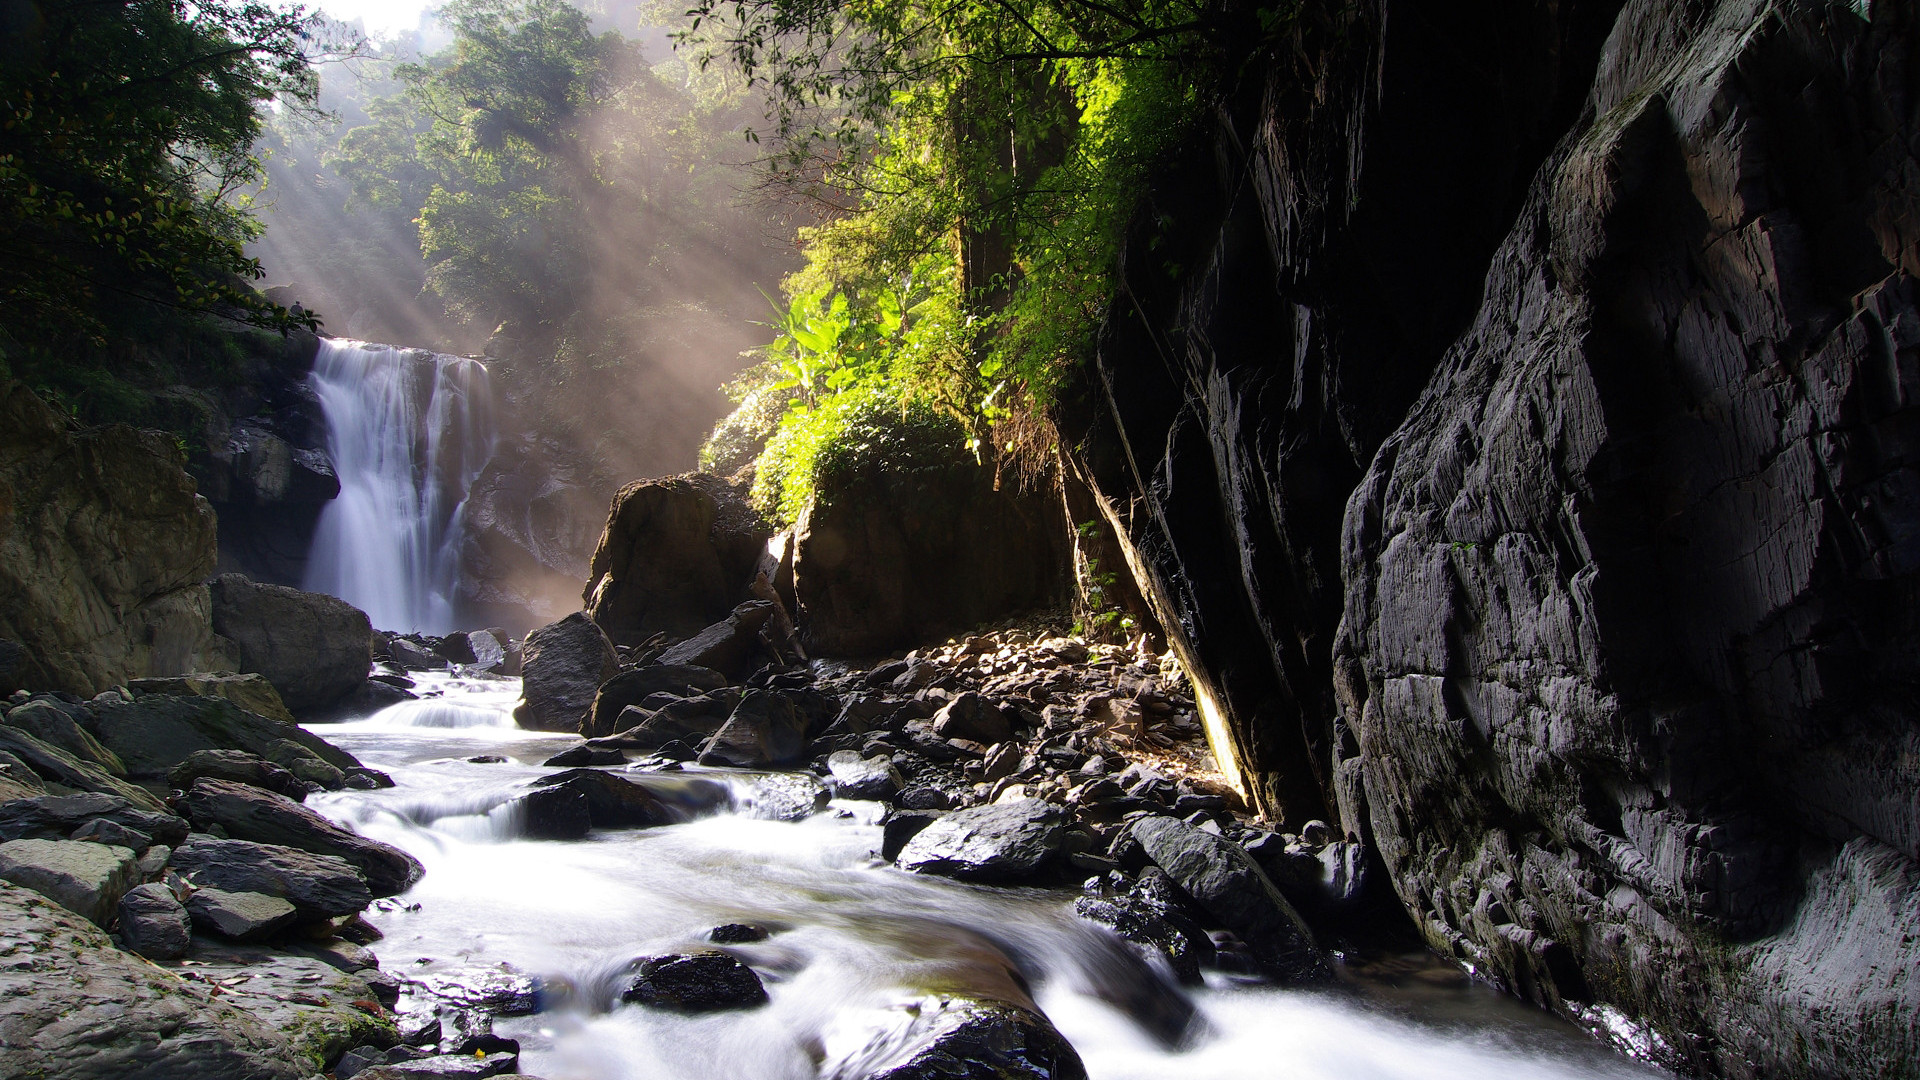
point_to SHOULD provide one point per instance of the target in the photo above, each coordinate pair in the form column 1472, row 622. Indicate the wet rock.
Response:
column 727, row 646
column 318, row 1010
column 763, row 731
column 556, row 813
column 695, row 983
column 736, row 934
column 157, row 732
column 249, row 813
column 924, row 798
column 634, row 686
column 1001, row 842
column 240, row 767
column 613, row 802
column 320, row 886
column 418, row 1028
column 250, row 691
column 153, row 923
column 562, row 666
column 363, row 701
column 856, row 777
column 314, row 648
column 86, row 879
column 1226, row 883
column 583, row 755
column 960, row 1039
column 498, row 989
column 17, row 781
column 140, row 1020
column 54, row 765
column 52, row 725
column 55, row 817
column 240, row 916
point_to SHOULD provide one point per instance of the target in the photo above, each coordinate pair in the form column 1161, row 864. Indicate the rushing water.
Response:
column 408, row 431
column 854, row 940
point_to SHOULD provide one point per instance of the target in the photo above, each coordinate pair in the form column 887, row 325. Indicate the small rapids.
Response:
column 854, row 943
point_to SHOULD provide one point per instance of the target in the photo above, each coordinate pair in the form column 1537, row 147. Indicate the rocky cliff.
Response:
column 1547, row 386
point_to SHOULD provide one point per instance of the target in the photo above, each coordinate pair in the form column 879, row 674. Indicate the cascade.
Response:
column 409, row 430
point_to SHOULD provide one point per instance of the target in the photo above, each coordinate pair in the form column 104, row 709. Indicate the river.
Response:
column 853, row 940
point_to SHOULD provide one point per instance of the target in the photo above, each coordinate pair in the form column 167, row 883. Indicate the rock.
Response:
column 56, row 817
column 157, row 732
column 13, row 666
column 961, row 1039
column 52, row 725
column 677, row 555
column 1001, row 842
column 415, row 657
column 320, row 886
column 556, row 813
column 153, row 923
column 362, row 701
column 728, row 646
column 86, row 879
column 613, row 801
column 972, row 717
column 104, row 552
column 236, row 766
column 251, row 691
column 140, row 1020
column 763, row 732
column 489, row 652
column 314, row 648
column 17, row 780
column 418, row 1029
column 249, row 813
column 1229, row 886
column 54, row 765
column 856, row 777
column 924, row 798
column 695, row 983
column 635, row 685
column 576, row 756
column 486, row 990
column 241, row 916
column 562, row 667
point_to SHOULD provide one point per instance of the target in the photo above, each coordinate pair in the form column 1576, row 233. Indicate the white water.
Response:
column 854, row 940
column 409, row 431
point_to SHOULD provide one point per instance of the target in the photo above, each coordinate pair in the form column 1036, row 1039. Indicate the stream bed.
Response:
column 854, row 943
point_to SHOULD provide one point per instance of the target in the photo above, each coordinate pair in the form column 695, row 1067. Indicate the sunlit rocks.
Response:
column 562, row 666
column 857, row 777
column 249, row 813
column 695, row 983
column 971, row 716
column 676, row 556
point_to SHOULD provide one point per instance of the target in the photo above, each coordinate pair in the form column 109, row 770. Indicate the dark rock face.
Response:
column 556, row 813
column 677, row 554
column 530, row 522
column 613, row 802
column 695, row 983
column 51, row 725
column 999, row 842
column 1154, row 914
column 562, row 666
column 1227, row 884
column 320, row 886
column 239, row 767
column 54, row 765
column 314, row 648
column 250, row 813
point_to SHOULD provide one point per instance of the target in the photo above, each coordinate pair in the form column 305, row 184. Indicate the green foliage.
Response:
column 123, row 130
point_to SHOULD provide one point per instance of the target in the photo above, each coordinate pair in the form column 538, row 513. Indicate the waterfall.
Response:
column 409, row 430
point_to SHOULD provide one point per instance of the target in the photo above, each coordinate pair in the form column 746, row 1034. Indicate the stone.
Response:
column 236, row 766
column 694, row 983
column 105, row 548
column 86, row 879
column 250, row 813
column 489, row 652
column 153, row 923
column 241, row 916
column 17, row 780
column 314, row 648
column 555, row 813
column 997, row 843
column 54, row 765
column 764, row 731
column 972, row 717
column 1152, row 913
column 1231, row 888
column 320, row 886
column 55, row 817
column 943, row 1038
column 250, row 691
column 635, row 685
column 856, row 777
column 140, row 1019
column 158, row 732
column 51, row 725
column 782, row 796
column 576, row 756
column 677, row 555
column 562, row 666
column 728, row 646
column 924, row 797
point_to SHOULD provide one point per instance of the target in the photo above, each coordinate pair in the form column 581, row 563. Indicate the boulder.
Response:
column 613, row 802
column 153, row 923
column 158, row 732
column 697, row 982
column 1231, row 888
column 105, row 549
column 562, row 666
column 239, row 767
column 75, row 1007
column 56, row 766
column 676, row 555
column 314, row 648
column 86, row 879
column 782, row 796
column 113, row 834
column 55, row 817
column 17, row 780
column 320, row 886
column 250, row 813
column 250, row 691
column 973, row 717
column 996, row 843
column 902, row 826
column 960, row 1039
column 731, row 645
column 764, row 731
column 51, row 725
column 635, row 685
column 240, row 916
column 856, row 777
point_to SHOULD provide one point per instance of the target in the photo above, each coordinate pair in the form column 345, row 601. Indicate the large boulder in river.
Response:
column 250, row 813
column 677, row 554
column 314, row 648
column 561, row 668
column 104, row 551
column 74, row 1007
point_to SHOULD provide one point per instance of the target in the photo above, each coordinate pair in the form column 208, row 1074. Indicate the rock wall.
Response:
column 104, row 552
